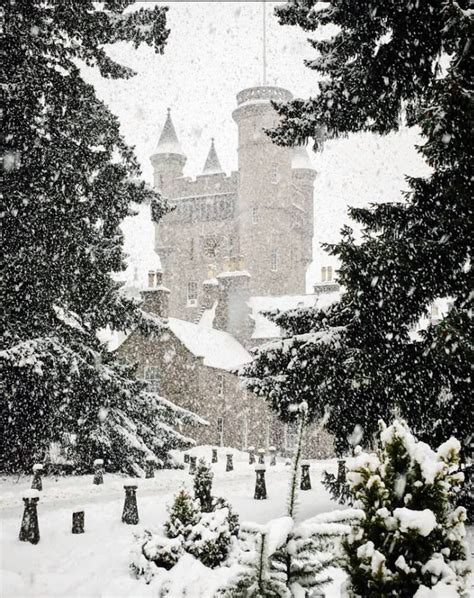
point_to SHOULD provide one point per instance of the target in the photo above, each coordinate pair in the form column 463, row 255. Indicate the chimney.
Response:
column 232, row 311
column 156, row 296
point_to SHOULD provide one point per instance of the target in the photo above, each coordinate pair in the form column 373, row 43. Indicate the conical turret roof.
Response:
column 212, row 165
column 168, row 143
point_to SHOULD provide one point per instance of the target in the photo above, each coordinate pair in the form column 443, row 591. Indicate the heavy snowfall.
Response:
column 237, row 299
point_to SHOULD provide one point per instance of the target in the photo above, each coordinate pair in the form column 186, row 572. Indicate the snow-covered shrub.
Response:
column 184, row 513
column 410, row 540
column 203, row 486
column 153, row 550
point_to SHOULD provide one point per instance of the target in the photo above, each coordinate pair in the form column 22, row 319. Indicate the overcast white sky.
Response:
column 214, row 51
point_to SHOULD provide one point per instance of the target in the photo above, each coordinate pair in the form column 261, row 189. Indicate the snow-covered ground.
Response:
column 96, row 564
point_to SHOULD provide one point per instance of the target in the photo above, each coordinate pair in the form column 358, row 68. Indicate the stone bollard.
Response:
column 150, row 464
column 341, row 471
column 260, row 487
column 273, row 457
column 261, row 456
column 186, row 457
column 130, row 508
column 29, row 531
column 37, row 483
column 214, row 456
column 78, row 522
column 305, row 479
column 98, row 472
column 251, row 450
column 229, row 466
column 192, row 464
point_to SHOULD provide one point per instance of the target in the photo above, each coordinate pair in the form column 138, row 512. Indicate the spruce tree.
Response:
column 359, row 360
column 410, row 540
column 69, row 181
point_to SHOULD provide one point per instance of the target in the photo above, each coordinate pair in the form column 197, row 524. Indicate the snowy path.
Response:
column 95, row 565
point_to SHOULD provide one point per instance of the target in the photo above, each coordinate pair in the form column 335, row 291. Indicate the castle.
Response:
column 230, row 238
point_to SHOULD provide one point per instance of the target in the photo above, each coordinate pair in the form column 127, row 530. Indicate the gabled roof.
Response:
column 219, row 349
column 168, row 143
column 212, row 165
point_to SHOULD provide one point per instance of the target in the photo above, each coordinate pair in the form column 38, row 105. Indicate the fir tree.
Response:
column 410, row 540
column 203, row 486
column 184, row 513
column 357, row 360
column 69, row 181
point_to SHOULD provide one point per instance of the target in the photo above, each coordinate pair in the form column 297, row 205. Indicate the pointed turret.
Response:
column 168, row 143
column 212, row 165
column 169, row 159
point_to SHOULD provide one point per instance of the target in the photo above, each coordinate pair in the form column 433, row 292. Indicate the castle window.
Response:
column 152, row 378
column 221, row 385
column 274, row 173
column 211, row 246
column 192, row 293
column 244, row 430
column 329, row 271
column 231, row 246
column 220, row 431
column 434, row 311
column 191, row 249
column 254, row 215
column 323, row 274
column 291, row 436
column 275, row 259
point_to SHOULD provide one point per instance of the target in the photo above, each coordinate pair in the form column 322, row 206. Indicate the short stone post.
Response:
column 192, row 464
column 186, row 457
column 260, row 487
column 29, row 531
column 214, row 455
column 341, row 471
column 305, row 479
column 78, row 522
column 261, row 456
column 273, row 457
column 130, row 508
column 37, row 483
column 251, row 451
column 150, row 464
column 229, row 466
column 98, row 472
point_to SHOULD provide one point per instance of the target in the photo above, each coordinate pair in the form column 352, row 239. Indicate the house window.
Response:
column 221, row 385
column 254, row 215
column 152, row 378
column 220, row 431
column 192, row 293
column 274, row 173
column 275, row 260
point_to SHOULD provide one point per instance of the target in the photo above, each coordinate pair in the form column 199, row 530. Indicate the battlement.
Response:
column 263, row 94
column 204, row 184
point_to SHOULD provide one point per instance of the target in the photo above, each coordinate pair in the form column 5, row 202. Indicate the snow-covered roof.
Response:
column 264, row 328
column 219, row 349
column 301, row 159
column 168, row 142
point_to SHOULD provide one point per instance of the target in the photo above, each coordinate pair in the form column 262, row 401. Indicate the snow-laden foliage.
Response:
column 284, row 558
column 410, row 540
column 205, row 533
column 69, row 181
column 360, row 359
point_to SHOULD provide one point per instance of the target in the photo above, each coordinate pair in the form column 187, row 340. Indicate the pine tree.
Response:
column 410, row 540
column 184, row 513
column 357, row 361
column 69, row 181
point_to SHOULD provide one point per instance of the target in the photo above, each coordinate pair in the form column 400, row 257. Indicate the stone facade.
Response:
column 258, row 220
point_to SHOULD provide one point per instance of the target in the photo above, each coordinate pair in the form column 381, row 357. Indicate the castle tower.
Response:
column 168, row 160
column 275, row 211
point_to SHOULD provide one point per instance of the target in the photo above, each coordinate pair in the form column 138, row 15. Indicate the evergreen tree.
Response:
column 357, row 361
column 410, row 540
column 184, row 513
column 203, row 486
column 69, row 181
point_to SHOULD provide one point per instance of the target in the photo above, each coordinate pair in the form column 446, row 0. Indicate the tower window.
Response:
column 192, row 293
column 220, row 431
column 152, row 378
column 275, row 258
column 254, row 215
column 221, row 385
column 274, row 173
